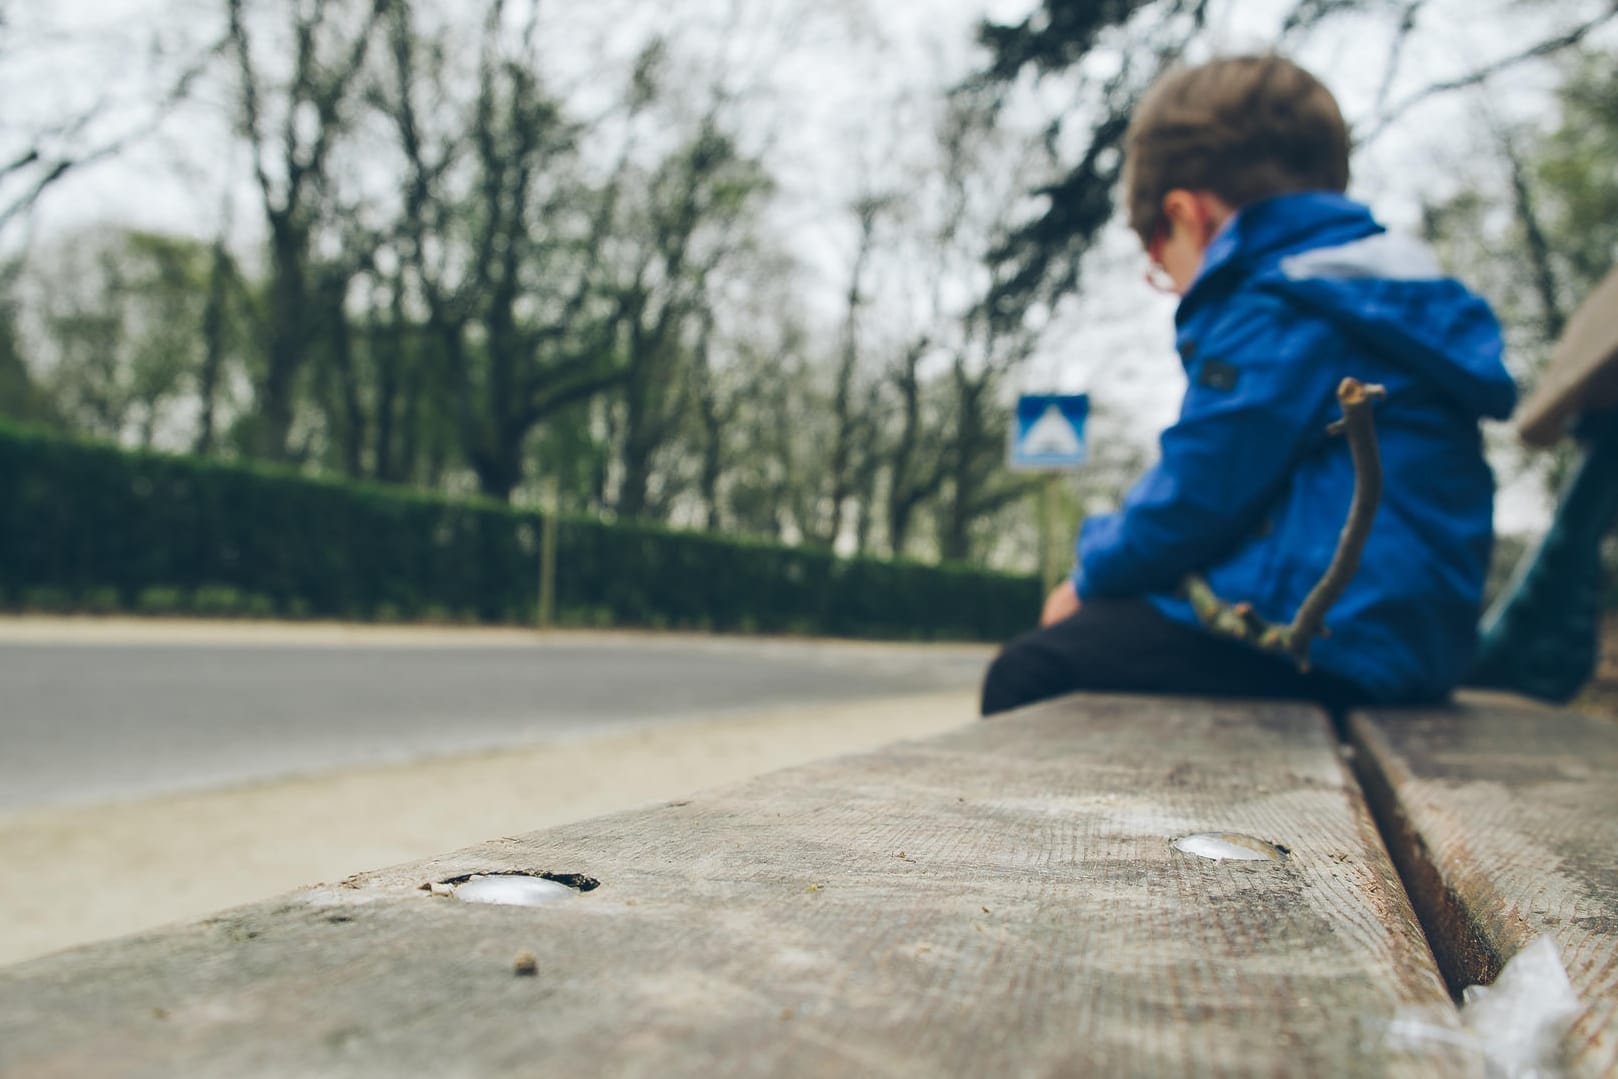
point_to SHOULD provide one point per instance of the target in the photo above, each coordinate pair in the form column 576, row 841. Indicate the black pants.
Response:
column 1126, row 646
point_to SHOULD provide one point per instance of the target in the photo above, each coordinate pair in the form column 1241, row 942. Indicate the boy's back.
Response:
column 1298, row 292
column 1285, row 293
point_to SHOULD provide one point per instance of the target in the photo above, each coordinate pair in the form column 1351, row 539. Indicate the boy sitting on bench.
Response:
column 1234, row 173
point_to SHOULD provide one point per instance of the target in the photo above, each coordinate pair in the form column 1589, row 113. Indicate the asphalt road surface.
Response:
column 93, row 722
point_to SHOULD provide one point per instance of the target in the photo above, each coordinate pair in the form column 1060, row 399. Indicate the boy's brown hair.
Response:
column 1244, row 128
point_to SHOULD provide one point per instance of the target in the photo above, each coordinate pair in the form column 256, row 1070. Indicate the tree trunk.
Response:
column 1539, row 248
column 289, row 308
column 213, row 345
column 404, row 468
column 387, row 353
column 340, row 339
column 955, row 545
column 498, row 472
column 639, row 443
column 906, row 490
column 637, row 475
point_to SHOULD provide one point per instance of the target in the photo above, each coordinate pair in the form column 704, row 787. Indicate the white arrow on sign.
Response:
column 1051, row 436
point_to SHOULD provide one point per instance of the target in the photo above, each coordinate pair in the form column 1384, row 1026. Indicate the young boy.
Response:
column 1234, row 173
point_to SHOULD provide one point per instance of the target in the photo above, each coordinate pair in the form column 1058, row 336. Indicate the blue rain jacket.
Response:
column 1295, row 293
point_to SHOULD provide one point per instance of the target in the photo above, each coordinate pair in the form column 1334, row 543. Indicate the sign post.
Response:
column 1050, row 566
column 547, row 554
column 1048, row 437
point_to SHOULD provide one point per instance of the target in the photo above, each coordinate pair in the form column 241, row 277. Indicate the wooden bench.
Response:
column 1502, row 816
column 1018, row 897
column 1007, row 899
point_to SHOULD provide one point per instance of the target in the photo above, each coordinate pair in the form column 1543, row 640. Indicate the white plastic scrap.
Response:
column 1522, row 1018
column 513, row 890
column 1516, row 1025
column 1228, row 846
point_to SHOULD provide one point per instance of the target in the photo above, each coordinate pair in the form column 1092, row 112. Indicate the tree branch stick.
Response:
column 1359, row 425
column 1239, row 620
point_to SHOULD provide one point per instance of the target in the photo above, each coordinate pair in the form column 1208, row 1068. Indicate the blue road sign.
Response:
column 1049, row 432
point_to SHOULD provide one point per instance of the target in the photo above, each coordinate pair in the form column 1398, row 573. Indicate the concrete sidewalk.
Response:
column 99, row 711
column 130, row 630
column 84, row 874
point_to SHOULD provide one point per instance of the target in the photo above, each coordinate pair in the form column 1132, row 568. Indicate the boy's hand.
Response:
column 1063, row 602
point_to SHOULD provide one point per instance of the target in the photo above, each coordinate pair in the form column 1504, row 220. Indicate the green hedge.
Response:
column 91, row 527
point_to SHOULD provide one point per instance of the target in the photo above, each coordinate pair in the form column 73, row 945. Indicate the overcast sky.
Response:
column 831, row 92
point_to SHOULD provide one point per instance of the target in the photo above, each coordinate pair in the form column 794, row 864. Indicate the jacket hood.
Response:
column 1325, row 253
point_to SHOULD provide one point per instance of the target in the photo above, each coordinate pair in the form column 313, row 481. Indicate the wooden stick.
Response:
column 1239, row 620
column 1359, row 425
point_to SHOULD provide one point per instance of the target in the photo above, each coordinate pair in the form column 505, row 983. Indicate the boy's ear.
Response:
column 1181, row 212
column 1200, row 213
column 1179, row 204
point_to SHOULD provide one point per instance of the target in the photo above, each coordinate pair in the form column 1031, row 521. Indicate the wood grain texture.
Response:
column 1583, row 373
column 999, row 901
column 1503, row 815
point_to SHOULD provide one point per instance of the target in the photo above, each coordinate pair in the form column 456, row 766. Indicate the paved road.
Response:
column 92, row 721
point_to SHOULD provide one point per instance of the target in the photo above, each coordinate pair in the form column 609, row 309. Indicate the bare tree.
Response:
column 715, row 414
column 773, row 482
column 291, row 131
column 755, row 409
column 78, row 141
column 945, row 358
column 699, row 203
column 1388, row 114
column 852, row 424
column 224, row 299
column 1525, row 203
column 508, row 264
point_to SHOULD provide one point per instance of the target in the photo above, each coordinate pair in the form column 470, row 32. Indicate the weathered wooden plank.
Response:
column 1503, row 815
column 1001, row 900
column 1583, row 373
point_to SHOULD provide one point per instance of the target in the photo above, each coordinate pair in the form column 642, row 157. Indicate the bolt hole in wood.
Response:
column 514, row 888
column 1230, row 846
